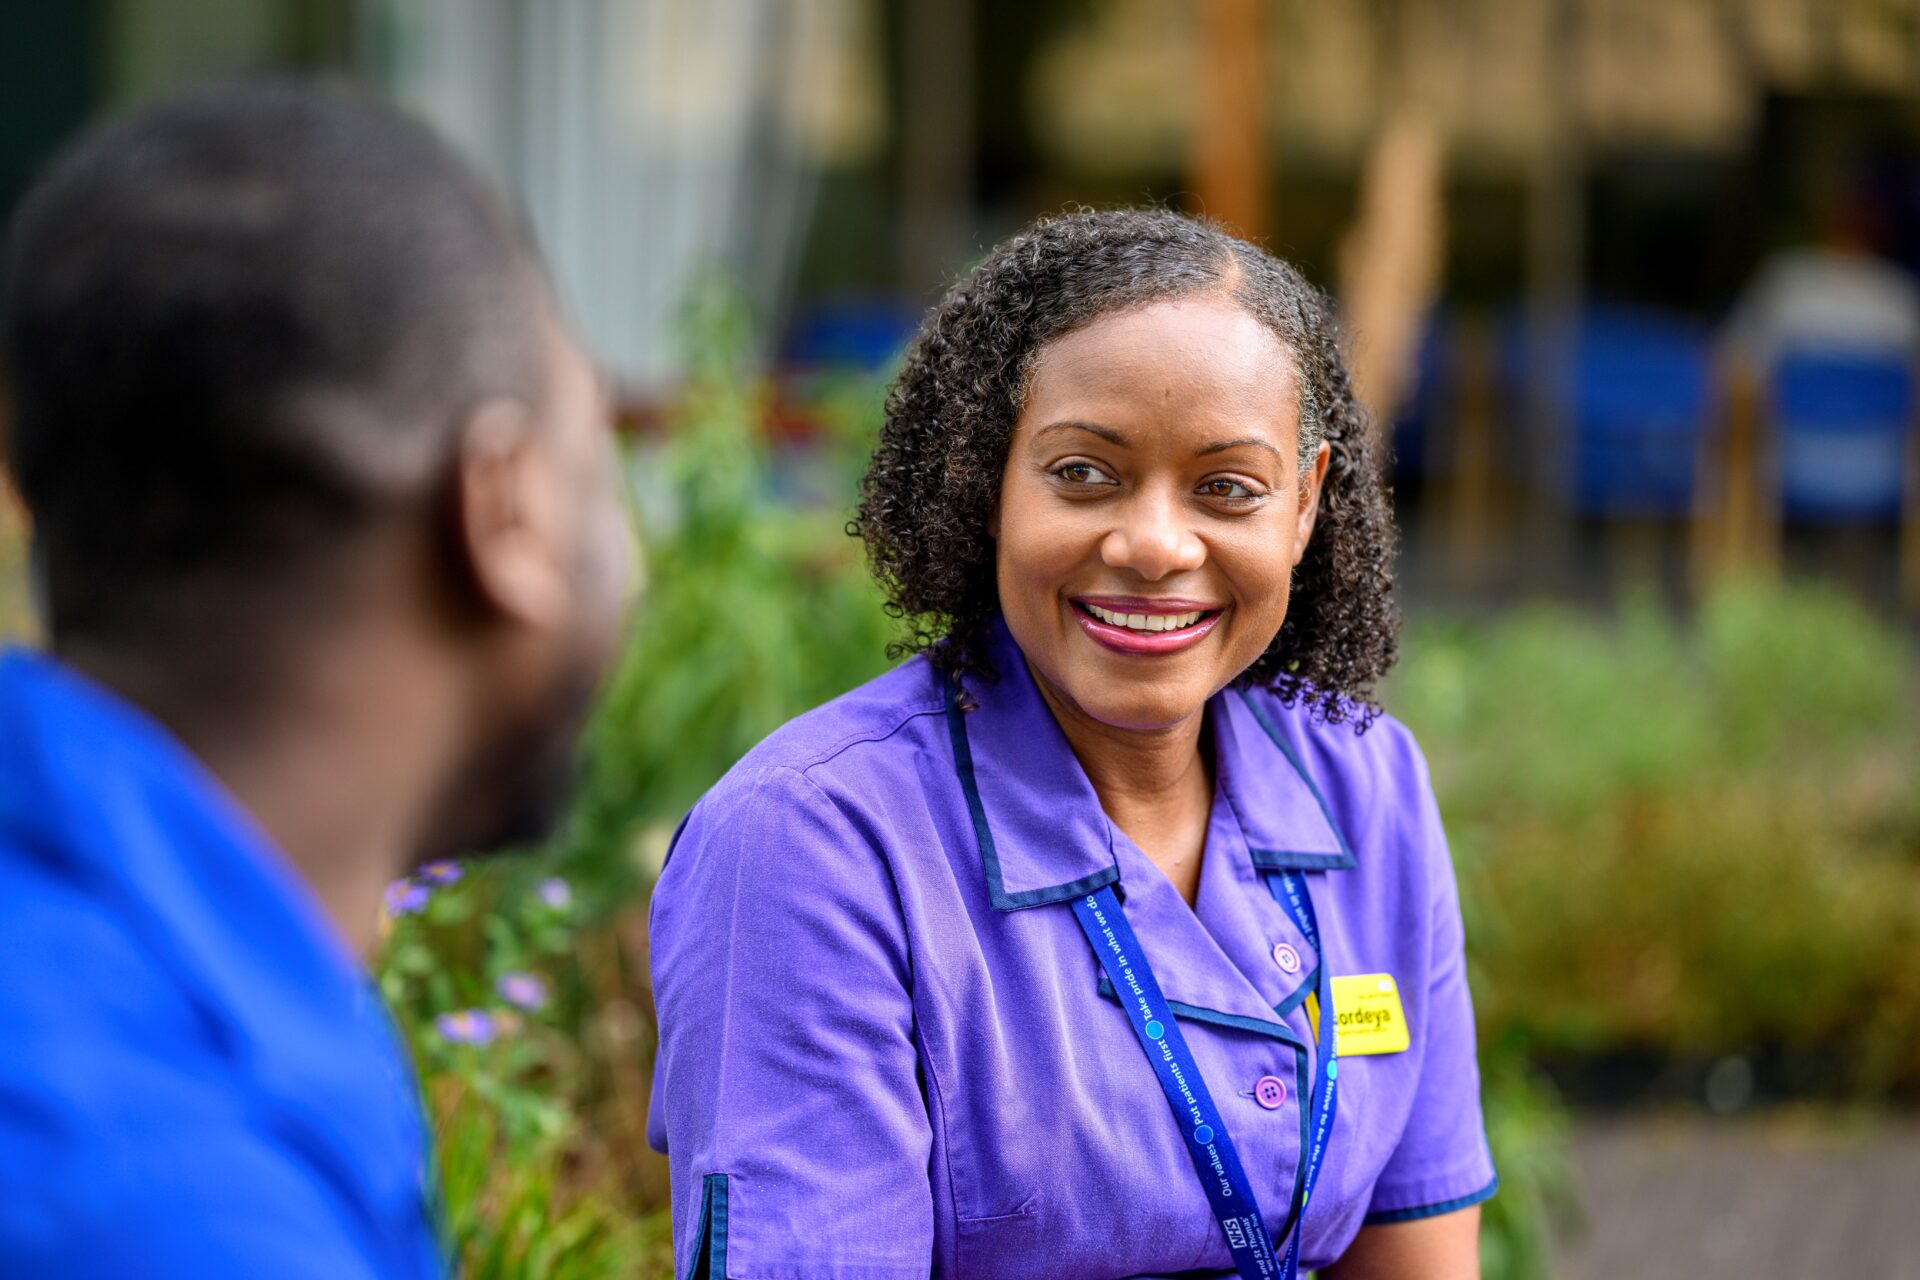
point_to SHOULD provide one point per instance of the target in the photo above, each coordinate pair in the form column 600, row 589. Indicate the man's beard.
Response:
column 515, row 790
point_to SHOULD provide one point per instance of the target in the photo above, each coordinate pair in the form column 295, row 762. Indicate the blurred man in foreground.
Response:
column 332, row 562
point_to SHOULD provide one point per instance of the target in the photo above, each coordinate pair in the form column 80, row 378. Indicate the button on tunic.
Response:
column 888, row 1051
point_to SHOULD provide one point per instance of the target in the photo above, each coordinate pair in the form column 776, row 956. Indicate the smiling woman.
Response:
column 1130, row 796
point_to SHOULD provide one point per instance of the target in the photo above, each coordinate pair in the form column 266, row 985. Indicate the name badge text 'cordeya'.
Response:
column 1370, row 1017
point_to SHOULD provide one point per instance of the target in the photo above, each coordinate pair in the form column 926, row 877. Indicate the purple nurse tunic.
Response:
column 888, row 1051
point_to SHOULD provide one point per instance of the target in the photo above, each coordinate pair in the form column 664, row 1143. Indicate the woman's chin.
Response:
column 1138, row 709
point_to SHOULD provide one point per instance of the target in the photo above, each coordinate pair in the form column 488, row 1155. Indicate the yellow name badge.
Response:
column 1370, row 1017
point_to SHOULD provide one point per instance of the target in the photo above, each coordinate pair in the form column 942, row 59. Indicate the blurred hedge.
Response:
column 1686, row 839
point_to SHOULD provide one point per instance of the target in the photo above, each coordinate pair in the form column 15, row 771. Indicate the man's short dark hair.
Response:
column 241, row 323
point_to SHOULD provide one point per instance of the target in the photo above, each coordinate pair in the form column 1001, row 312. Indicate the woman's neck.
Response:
column 1155, row 785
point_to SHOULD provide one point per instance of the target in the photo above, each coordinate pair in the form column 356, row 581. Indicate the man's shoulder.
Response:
column 85, row 1000
column 103, row 1048
column 134, row 1123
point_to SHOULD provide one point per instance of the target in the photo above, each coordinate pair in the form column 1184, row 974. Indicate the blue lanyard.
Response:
column 1289, row 888
column 1209, row 1146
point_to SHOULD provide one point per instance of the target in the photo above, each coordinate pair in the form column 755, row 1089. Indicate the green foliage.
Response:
column 488, row 983
column 1686, row 840
column 1527, row 1129
column 756, row 609
column 510, row 1216
column 1683, row 840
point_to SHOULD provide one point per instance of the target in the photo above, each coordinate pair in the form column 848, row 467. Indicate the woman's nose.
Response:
column 1153, row 540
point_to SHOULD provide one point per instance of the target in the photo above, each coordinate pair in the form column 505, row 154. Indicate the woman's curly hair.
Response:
column 935, row 476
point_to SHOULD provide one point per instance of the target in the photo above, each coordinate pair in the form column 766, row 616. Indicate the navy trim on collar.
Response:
column 1298, row 996
column 983, row 832
column 1200, row 1013
column 1292, row 859
column 1302, row 1082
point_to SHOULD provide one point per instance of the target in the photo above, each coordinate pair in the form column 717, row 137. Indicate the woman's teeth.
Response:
column 1145, row 621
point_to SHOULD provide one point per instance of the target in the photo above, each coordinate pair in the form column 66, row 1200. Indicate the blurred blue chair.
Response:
column 1840, row 426
column 863, row 334
column 1637, row 400
column 1428, row 401
column 1642, row 391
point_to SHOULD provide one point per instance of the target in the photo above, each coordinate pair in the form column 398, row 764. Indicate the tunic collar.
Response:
column 1042, row 834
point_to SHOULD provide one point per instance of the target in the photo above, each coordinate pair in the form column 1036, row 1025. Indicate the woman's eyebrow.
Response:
column 1105, row 433
column 1220, row 446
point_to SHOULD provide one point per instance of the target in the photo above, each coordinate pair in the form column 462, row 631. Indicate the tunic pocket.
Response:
column 1001, row 1246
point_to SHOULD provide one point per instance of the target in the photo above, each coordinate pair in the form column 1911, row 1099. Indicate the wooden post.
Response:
column 1555, row 267
column 1706, row 532
column 1389, row 265
column 1230, row 173
column 1736, row 516
column 1757, row 549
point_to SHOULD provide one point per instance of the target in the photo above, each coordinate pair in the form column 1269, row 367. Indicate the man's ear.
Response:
column 505, row 519
column 1312, row 481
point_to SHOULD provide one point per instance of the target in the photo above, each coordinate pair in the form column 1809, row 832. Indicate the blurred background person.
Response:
column 332, row 561
column 1839, row 295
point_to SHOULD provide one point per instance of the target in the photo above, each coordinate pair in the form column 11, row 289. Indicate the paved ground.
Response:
column 1788, row 1195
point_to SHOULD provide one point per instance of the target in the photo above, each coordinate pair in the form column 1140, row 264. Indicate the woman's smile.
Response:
column 1135, row 624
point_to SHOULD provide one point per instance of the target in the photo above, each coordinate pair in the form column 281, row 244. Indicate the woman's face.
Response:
column 1152, row 510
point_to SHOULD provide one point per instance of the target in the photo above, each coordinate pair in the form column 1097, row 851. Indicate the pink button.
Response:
column 1269, row 1092
column 1286, row 957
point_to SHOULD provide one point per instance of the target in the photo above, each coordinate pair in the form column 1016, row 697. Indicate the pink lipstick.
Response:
column 1145, row 624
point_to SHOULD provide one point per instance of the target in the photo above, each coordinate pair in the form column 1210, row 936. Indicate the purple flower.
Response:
column 441, row 872
column 523, row 991
column 405, row 898
column 556, row 893
column 467, row 1026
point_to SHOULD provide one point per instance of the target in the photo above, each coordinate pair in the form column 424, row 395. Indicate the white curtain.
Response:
column 649, row 140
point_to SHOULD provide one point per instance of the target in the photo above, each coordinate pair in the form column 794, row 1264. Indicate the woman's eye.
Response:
column 1082, row 473
column 1227, row 490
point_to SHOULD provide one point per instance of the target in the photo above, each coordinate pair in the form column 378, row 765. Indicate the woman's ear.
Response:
column 1312, row 480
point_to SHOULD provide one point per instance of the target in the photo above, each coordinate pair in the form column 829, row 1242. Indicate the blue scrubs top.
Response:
column 888, row 1051
column 196, row 1079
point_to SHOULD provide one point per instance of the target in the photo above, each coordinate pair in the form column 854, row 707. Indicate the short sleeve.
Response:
column 786, row 1092
column 1442, row 1162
